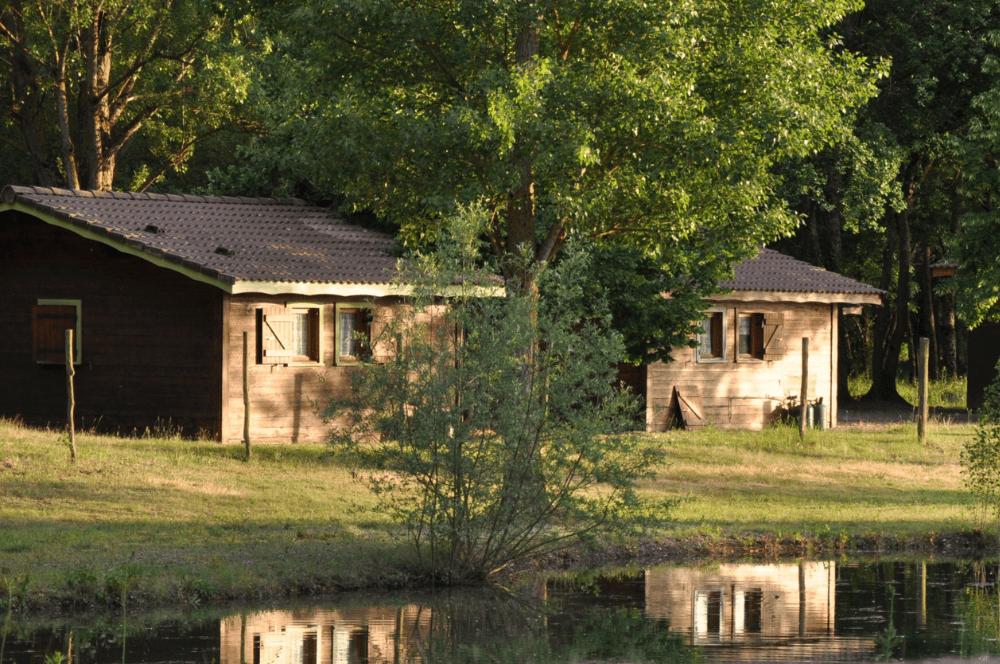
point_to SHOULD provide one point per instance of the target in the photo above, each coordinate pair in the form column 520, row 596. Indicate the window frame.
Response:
column 712, row 314
column 348, row 360
column 314, row 312
column 77, row 330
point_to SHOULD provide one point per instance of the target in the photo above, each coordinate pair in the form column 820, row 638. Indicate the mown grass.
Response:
column 190, row 522
column 846, row 482
column 943, row 393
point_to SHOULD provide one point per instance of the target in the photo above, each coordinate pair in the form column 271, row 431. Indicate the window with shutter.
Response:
column 290, row 335
column 711, row 338
column 353, row 333
column 750, row 336
column 49, row 321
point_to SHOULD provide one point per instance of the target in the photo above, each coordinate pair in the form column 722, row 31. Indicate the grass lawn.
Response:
column 190, row 521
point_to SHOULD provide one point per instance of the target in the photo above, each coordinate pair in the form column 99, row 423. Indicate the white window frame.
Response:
column 713, row 358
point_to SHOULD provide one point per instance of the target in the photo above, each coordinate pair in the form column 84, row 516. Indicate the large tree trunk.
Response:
column 522, row 240
column 885, row 364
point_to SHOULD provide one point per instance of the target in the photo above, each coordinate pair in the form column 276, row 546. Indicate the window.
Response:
column 758, row 336
column 750, row 336
column 49, row 321
column 290, row 334
column 711, row 339
column 354, row 332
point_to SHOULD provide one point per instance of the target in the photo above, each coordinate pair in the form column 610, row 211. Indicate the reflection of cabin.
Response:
column 349, row 636
column 747, row 367
column 160, row 289
column 786, row 610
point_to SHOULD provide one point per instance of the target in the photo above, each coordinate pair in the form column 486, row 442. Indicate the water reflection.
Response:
column 809, row 611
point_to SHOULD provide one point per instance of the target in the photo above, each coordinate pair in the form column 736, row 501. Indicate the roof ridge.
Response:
column 10, row 193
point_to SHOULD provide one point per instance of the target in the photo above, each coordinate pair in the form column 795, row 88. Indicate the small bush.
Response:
column 494, row 431
column 981, row 457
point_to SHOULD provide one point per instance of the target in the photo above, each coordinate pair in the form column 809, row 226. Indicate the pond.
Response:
column 799, row 611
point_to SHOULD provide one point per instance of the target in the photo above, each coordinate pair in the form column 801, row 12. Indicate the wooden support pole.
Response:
column 246, row 393
column 70, row 397
column 922, row 361
column 805, row 387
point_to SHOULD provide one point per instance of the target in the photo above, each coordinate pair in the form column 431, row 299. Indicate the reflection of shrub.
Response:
column 981, row 456
column 494, row 431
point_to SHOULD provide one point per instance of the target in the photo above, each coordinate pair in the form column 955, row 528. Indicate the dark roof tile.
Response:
column 296, row 242
column 773, row 271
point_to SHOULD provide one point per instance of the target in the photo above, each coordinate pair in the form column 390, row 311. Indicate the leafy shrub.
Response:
column 981, row 456
column 489, row 426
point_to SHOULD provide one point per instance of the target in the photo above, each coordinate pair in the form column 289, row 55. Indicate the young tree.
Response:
column 484, row 453
column 653, row 124
column 86, row 81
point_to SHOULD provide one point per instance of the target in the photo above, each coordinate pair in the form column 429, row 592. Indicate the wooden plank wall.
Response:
column 151, row 337
column 284, row 399
column 750, row 393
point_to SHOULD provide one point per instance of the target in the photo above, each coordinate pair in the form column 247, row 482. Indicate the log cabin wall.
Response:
column 284, row 395
column 150, row 338
column 741, row 393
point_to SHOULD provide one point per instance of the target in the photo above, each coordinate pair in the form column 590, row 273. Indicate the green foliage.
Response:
column 494, row 431
column 122, row 92
column 652, row 124
column 981, row 456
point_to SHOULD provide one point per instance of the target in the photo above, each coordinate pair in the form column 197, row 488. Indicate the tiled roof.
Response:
column 773, row 271
column 225, row 238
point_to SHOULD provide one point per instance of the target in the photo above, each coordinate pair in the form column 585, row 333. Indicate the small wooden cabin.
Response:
column 160, row 290
column 746, row 369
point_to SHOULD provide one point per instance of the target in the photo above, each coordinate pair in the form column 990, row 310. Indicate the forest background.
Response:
column 674, row 138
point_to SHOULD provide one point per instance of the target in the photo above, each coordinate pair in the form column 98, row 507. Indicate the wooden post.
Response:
column 922, row 362
column 70, row 398
column 246, row 393
column 805, row 386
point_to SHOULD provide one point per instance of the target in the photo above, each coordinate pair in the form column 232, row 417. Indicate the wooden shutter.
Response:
column 774, row 326
column 688, row 400
column 276, row 336
column 49, row 323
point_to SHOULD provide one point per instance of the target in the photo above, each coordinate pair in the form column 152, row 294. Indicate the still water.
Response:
column 809, row 611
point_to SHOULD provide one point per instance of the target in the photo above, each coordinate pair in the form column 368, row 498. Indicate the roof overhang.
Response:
column 223, row 282
column 796, row 297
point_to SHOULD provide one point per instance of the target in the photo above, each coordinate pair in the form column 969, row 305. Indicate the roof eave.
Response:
column 796, row 297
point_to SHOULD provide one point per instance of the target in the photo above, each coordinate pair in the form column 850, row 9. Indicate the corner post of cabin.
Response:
column 834, row 365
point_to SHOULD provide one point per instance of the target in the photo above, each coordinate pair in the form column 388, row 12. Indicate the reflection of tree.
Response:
column 978, row 612
column 515, row 628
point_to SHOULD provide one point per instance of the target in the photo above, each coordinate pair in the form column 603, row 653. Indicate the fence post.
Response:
column 70, row 397
column 805, row 387
column 922, row 361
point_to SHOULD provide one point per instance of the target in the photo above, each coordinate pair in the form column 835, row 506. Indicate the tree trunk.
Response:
column 521, row 241
column 887, row 346
column 928, row 326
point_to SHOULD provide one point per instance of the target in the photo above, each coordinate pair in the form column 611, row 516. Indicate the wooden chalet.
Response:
column 747, row 368
column 160, row 290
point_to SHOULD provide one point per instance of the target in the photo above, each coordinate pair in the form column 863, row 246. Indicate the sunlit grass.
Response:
column 195, row 517
column 842, row 482
column 199, row 523
column 943, row 393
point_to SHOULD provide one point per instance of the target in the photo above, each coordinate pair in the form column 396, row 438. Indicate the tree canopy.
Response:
column 650, row 124
column 92, row 84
